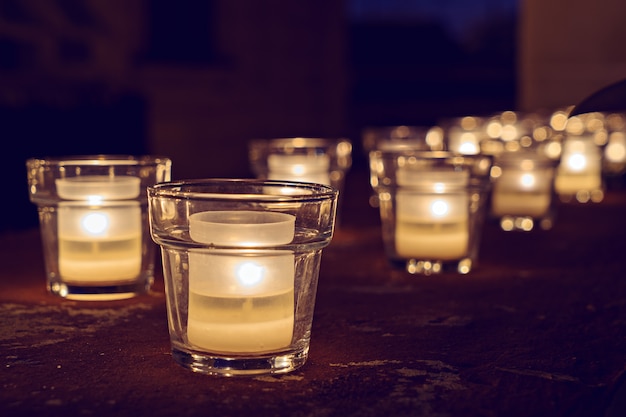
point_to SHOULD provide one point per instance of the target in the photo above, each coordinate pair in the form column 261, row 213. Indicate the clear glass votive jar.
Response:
column 93, row 217
column 316, row 160
column 579, row 174
column 425, row 138
column 523, row 194
column 432, row 208
column 241, row 261
column 389, row 138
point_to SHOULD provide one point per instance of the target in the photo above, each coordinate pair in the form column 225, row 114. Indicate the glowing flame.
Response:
column 439, row 208
column 527, row 180
column 95, row 199
column 95, row 223
column 577, row 162
column 250, row 273
column 468, row 148
column 299, row 169
column 439, row 187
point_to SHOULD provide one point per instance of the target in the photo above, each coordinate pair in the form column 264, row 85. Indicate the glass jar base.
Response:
column 434, row 267
column 98, row 292
column 213, row 364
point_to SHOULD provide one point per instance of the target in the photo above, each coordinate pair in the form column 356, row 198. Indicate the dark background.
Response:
column 197, row 80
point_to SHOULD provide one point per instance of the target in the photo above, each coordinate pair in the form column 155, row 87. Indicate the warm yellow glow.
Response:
column 527, row 180
column 299, row 142
column 553, row 150
column 95, row 199
column 434, row 138
column 575, row 126
column 600, row 137
column 527, row 164
column 250, row 273
column 512, row 146
column 299, row 169
column 615, row 152
column 509, row 117
column 577, row 162
column 558, row 121
column 469, row 123
column 615, row 122
column 400, row 132
column 541, row 133
column 526, row 141
column 509, row 132
column 95, row 223
column 468, row 148
column 439, row 208
column 439, row 187
column 494, row 129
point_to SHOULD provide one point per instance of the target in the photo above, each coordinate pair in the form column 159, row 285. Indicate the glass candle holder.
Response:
column 523, row 191
column 94, row 223
column 432, row 208
column 241, row 260
column 425, row 138
column 464, row 135
column 316, row 160
column 579, row 174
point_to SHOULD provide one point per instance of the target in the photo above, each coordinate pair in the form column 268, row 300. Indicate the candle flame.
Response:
column 95, row 199
column 439, row 208
column 439, row 187
column 527, row 180
column 95, row 223
column 299, row 169
column 577, row 162
column 250, row 273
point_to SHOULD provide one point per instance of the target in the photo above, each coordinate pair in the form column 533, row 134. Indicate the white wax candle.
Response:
column 433, row 227
column 520, row 192
column 304, row 168
column 241, row 300
column 435, row 180
column 98, row 187
column 99, row 240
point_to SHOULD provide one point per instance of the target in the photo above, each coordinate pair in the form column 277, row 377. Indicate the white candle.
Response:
column 432, row 222
column 305, row 168
column 519, row 192
column 241, row 300
column 99, row 233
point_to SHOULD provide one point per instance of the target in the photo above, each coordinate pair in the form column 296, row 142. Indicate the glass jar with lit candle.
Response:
column 389, row 138
column 93, row 220
column 316, row 160
column 241, row 262
column 464, row 135
column 523, row 190
column 425, row 138
column 432, row 207
column 579, row 174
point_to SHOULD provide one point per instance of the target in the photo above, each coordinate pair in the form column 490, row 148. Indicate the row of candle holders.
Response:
column 241, row 257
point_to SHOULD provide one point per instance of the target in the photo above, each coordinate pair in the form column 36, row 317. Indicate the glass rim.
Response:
column 195, row 189
column 99, row 160
column 299, row 141
column 427, row 154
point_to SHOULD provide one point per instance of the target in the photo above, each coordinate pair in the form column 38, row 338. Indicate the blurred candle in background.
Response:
column 432, row 221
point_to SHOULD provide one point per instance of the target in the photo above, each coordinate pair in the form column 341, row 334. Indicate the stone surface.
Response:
column 538, row 328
